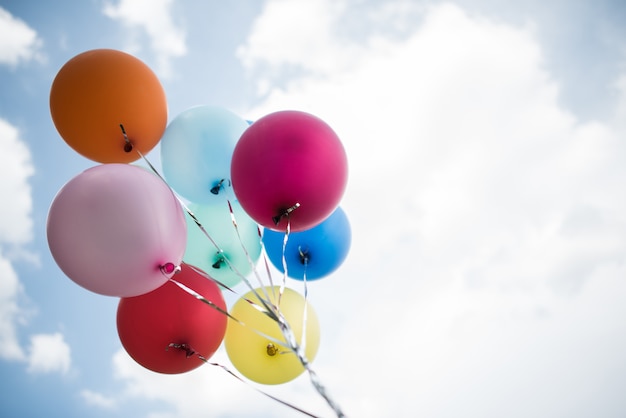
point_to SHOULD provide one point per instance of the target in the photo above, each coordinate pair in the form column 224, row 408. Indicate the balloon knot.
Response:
column 304, row 255
column 272, row 350
column 185, row 347
column 218, row 263
column 128, row 146
column 216, row 189
column 285, row 213
column 170, row 268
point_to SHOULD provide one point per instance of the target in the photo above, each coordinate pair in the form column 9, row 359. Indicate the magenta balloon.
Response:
column 285, row 159
column 112, row 227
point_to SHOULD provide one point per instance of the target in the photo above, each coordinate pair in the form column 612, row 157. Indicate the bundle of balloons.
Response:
column 231, row 192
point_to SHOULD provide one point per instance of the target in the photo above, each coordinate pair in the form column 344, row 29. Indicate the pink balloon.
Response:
column 117, row 230
column 289, row 160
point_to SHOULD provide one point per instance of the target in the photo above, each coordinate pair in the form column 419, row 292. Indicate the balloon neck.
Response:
column 185, row 347
column 304, row 255
column 218, row 186
column 128, row 146
column 271, row 349
column 169, row 268
column 284, row 213
column 219, row 263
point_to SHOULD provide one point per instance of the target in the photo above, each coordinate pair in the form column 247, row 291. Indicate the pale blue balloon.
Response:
column 196, row 151
column 227, row 262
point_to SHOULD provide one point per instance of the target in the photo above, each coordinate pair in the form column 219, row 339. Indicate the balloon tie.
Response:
column 304, row 256
column 285, row 213
column 128, row 146
column 220, row 261
column 272, row 350
column 216, row 189
column 169, row 268
column 185, row 347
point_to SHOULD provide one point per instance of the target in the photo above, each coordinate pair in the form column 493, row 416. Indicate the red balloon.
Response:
column 289, row 162
column 160, row 329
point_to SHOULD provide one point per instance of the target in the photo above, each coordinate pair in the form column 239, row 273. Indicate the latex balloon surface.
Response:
column 257, row 357
column 197, row 149
column 289, row 162
column 165, row 330
column 316, row 252
column 113, row 227
column 239, row 249
column 97, row 91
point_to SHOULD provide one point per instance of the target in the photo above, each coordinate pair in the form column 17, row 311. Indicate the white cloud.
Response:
column 16, row 225
column 49, row 353
column 98, row 399
column 16, row 229
column 18, row 41
column 10, row 312
column 489, row 223
column 154, row 18
column 296, row 33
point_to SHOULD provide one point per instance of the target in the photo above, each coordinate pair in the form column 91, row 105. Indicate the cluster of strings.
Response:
column 290, row 345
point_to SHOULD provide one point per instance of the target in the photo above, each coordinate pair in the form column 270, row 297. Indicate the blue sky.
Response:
column 486, row 149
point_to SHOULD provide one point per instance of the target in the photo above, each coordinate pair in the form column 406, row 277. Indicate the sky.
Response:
column 485, row 140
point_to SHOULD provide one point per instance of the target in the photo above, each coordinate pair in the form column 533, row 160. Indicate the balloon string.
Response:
column 290, row 340
column 265, row 301
column 265, row 261
column 316, row 382
column 202, row 299
column 284, row 260
column 284, row 281
column 275, row 314
column 299, row 349
column 271, row 310
column 291, row 343
column 190, row 352
column 246, row 252
column 224, row 312
column 305, row 314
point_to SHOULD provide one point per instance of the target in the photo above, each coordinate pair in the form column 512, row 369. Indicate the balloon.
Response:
column 216, row 219
column 117, row 230
column 196, row 150
column 149, row 323
column 95, row 92
column 257, row 357
column 289, row 162
column 323, row 247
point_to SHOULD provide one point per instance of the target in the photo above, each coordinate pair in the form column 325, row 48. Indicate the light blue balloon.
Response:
column 196, row 151
column 317, row 251
column 227, row 262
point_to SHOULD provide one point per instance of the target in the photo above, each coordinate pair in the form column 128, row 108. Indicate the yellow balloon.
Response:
column 258, row 358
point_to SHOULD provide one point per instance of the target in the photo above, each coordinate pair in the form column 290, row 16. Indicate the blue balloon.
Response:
column 317, row 251
column 196, row 151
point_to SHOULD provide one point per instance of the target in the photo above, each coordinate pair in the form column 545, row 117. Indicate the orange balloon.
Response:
column 97, row 91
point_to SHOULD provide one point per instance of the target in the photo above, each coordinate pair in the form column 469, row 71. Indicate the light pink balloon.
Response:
column 113, row 227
